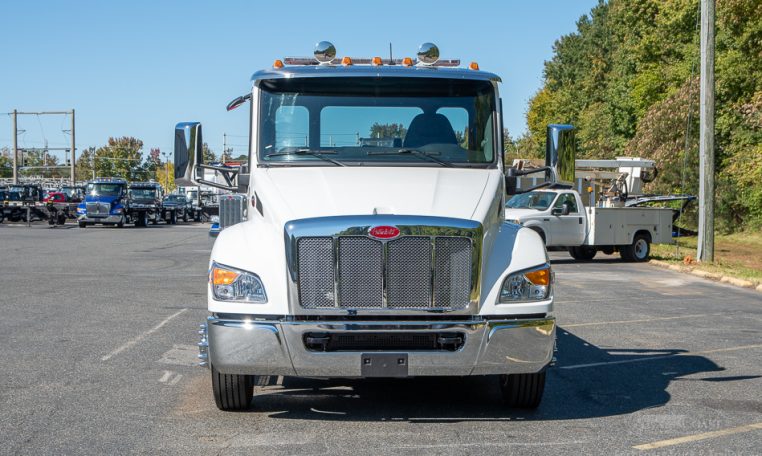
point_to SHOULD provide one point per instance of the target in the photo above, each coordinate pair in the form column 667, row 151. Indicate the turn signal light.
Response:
column 278, row 63
column 539, row 277
column 223, row 276
column 473, row 66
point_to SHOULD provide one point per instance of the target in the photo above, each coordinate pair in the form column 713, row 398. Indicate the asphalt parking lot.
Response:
column 98, row 333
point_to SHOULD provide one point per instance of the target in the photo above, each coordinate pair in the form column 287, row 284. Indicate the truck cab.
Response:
column 145, row 203
column 558, row 216
column 105, row 203
column 375, row 243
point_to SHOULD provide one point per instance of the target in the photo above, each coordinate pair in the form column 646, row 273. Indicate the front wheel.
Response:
column 173, row 218
column 523, row 390
column 185, row 216
column 582, row 253
column 120, row 223
column 82, row 224
column 232, row 391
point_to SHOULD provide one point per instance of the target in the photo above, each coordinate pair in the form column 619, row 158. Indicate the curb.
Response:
column 735, row 281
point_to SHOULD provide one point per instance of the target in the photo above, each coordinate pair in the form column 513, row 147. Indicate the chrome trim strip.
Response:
column 334, row 71
column 359, row 225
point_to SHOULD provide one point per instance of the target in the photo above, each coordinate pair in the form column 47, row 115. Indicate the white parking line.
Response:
column 653, row 358
column 142, row 336
column 697, row 437
column 644, row 320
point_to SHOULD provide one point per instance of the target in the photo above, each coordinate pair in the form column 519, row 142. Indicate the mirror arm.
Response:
column 216, row 185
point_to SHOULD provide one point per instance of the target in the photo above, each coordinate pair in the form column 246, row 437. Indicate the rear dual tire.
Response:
column 639, row 251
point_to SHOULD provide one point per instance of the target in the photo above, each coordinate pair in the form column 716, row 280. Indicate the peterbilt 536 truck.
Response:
column 387, row 257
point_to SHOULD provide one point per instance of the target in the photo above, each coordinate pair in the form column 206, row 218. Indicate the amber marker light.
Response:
column 223, row 276
column 407, row 61
column 473, row 66
column 278, row 63
column 346, row 61
column 539, row 277
column 376, row 61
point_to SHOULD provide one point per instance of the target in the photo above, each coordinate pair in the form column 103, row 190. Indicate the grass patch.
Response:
column 736, row 255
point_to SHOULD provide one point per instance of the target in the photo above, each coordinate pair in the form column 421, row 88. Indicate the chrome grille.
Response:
column 411, row 272
column 452, row 276
column 97, row 209
column 316, row 272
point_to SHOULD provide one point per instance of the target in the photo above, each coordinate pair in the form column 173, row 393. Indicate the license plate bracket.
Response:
column 384, row 364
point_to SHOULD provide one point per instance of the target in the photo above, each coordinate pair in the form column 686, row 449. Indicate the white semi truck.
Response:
column 375, row 243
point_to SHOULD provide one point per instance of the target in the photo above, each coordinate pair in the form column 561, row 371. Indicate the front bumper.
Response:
column 109, row 219
column 276, row 347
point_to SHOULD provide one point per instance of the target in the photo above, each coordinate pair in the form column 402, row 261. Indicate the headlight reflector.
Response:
column 527, row 286
column 230, row 284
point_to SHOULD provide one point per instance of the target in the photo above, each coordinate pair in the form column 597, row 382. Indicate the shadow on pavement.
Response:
column 574, row 390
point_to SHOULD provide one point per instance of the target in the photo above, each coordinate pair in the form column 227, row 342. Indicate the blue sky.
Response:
column 135, row 68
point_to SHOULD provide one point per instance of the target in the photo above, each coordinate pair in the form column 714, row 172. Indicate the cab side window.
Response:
column 570, row 200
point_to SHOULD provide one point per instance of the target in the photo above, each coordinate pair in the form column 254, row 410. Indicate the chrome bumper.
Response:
column 109, row 219
column 276, row 347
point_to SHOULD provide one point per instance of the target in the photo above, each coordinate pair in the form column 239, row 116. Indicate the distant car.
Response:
column 54, row 197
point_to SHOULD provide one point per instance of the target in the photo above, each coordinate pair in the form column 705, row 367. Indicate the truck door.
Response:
column 567, row 230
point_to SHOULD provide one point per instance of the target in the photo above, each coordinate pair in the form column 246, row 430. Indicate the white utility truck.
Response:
column 559, row 216
column 609, row 222
column 375, row 243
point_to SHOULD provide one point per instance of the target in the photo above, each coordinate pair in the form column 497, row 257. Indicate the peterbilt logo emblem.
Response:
column 384, row 232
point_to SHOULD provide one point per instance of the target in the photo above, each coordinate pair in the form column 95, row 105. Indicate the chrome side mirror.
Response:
column 188, row 152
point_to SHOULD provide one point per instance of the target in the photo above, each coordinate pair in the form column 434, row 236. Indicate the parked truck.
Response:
column 560, row 218
column 106, row 203
column 373, row 259
column 147, row 203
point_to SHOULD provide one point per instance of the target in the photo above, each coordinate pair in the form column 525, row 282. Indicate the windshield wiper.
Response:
column 311, row 152
column 415, row 152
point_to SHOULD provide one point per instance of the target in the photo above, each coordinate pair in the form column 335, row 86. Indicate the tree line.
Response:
column 627, row 78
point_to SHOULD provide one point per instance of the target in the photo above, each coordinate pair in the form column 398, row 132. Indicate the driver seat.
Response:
column 429, row 128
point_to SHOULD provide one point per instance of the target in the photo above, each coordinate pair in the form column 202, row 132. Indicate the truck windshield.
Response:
column 531, row 200
column 143, row 193
column 379, row 121
column 175, row 198
column 104, row 189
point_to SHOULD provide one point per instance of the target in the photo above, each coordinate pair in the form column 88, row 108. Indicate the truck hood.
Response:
column 514, row 214
column 298, row 193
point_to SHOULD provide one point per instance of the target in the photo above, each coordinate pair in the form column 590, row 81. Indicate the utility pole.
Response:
column 706, row 136
column 15, row 149
column 73, row 154
column 224, row 147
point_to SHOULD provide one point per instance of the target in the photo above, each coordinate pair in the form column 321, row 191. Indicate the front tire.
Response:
column 173, row 218
column 582, row 253
column 82, row 224
column 523, row 390
column 120, row 223
column 232, row 392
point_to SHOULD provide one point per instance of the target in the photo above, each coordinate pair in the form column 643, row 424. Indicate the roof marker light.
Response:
column 376, row 61
column 473, row 66
column 346, row 61
column 428, row 54
column 325, row 52
column 278, row 64
column 407, row 61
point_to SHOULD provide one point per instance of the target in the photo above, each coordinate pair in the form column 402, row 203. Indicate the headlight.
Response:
column 528, row 285
column 230, row 284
